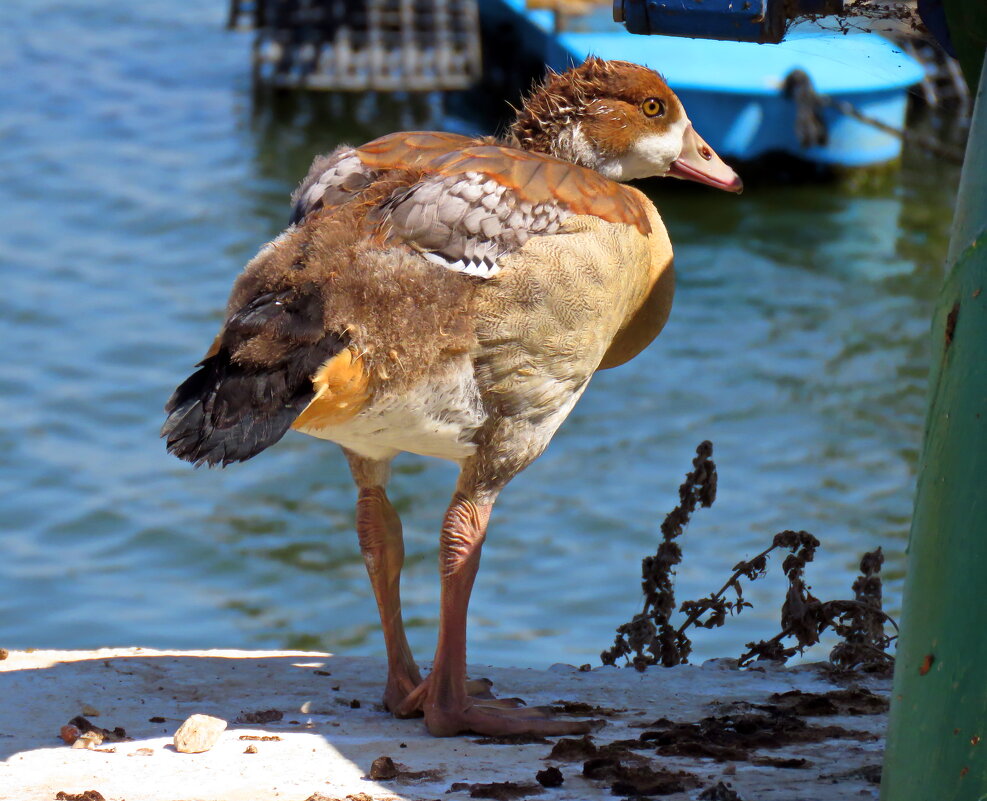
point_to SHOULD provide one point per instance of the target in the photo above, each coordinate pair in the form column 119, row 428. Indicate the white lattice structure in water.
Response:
column 363, row 45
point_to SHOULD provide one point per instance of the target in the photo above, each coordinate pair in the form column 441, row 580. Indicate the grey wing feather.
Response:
column 332, row 180
column 467, row 222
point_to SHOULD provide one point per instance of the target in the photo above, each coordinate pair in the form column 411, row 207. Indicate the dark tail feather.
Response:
column 228, row 412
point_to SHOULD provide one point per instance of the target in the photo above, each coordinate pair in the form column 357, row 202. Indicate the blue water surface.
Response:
column 138, row 173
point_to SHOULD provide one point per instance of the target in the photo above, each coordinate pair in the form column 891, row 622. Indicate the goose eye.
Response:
column 653, row 107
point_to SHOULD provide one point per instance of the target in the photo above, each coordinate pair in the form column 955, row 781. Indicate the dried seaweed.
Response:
column 650, row 638
column 859, row 623
column 650, row 635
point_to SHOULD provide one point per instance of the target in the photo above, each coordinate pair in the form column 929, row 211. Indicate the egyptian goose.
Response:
column 451, row 297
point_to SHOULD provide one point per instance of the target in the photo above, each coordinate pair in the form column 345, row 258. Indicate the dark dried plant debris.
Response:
column 734, row 737
column 156, row 719
column 261, row 716
column 264, row 738
column 781, row 762
column 87, row 795
column 719, row 792
column 858, row 622
column 601, row 768
column 550, row 777
column 637, row 779
column 851, row 701
column 868, row 773
column 582, row 709
column 115, row 735
column 629, row 773
column 651, row 638
column 386, row 769
column 571, row 749
column 513, row 739
column 499, row 791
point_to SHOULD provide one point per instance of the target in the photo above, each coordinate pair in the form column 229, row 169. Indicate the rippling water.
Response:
column 138, row 174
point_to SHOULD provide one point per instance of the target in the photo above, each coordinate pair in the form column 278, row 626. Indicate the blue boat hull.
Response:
column 733, row 90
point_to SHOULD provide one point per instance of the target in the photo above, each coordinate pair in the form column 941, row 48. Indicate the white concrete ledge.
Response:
column 327, row 742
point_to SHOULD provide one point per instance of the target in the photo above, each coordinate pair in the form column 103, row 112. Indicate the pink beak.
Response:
column 699, row 162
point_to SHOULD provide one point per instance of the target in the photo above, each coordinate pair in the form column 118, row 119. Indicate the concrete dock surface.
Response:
column 311, row 726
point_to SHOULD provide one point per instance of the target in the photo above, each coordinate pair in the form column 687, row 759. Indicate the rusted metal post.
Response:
column 937, row 741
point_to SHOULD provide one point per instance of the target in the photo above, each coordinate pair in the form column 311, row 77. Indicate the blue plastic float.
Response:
column 733, row 90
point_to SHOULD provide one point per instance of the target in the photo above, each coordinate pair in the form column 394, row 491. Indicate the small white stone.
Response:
column 199, row 733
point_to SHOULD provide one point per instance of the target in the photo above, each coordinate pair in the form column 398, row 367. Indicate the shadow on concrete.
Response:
column 334, row 700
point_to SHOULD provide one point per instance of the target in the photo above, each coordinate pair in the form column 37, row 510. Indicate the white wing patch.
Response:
column 481, row 268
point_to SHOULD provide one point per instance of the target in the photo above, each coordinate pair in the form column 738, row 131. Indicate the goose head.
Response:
column 623, row 121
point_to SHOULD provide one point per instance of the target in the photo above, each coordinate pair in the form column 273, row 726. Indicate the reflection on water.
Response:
column 140, row 173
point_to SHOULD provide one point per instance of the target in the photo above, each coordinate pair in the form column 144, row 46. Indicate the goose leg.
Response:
column 382, row 545
column 448, row 707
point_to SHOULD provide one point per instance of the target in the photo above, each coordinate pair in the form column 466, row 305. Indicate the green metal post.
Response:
column 937, row 739
column 967, row 21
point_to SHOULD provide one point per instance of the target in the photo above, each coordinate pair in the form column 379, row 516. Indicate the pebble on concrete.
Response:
column 383, row 769
column 199, row 733
column 69, row 733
